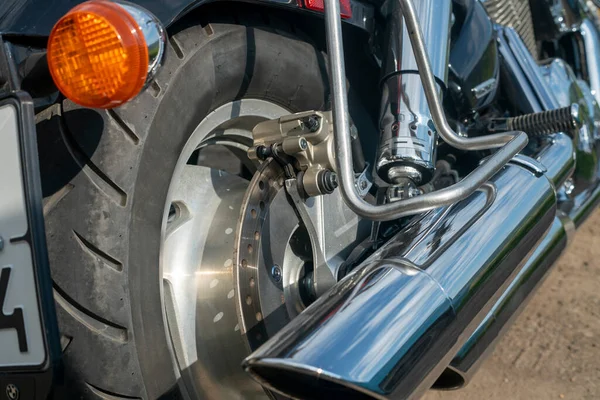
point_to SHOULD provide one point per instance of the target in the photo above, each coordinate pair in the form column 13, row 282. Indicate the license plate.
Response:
column 28, row 331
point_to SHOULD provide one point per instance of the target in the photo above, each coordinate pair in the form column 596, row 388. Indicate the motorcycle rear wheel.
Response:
column 106, row 178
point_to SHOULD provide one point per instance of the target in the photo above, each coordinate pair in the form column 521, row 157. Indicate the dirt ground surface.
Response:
column 553, row 349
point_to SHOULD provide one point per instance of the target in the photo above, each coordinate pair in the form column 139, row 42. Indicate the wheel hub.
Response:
column 236, row 259
column 221, row 298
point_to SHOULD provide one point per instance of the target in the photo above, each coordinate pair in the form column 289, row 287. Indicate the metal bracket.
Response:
column 323, row 277
column 362, row 182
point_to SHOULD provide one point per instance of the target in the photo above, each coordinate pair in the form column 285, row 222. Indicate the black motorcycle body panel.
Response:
column 37, row 17
column 474, row 63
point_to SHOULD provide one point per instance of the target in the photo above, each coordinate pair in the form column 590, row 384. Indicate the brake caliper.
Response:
column 304, row 140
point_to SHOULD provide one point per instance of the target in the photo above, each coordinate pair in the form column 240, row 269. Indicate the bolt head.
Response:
column 276, row 273
column 303, row 144
column 313, row 123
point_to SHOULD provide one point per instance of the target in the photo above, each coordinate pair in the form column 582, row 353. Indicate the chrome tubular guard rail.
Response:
column 510, row 143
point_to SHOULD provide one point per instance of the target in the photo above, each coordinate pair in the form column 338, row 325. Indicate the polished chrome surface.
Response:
column 511, row 303
column 558, row 156
column 408, row 135
column 390, row 328
column 567, row 89
column 154, row 35
column 516, row 14
column 510, row 143
column 591, row 40
column 435, row 105
column 584, row 204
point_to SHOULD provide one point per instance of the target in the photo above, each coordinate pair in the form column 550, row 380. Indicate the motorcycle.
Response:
column 281, row 198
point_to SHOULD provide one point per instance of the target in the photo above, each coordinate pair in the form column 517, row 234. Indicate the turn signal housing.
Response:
column 98, row 53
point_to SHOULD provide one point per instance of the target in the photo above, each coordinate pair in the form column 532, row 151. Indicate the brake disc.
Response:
column 226, row 252
column 266, row 254
column 237, row 263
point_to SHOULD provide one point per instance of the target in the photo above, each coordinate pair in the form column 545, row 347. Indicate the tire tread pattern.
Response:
column 87, row 218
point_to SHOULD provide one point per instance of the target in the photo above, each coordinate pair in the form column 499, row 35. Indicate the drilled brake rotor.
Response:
column 262, row 252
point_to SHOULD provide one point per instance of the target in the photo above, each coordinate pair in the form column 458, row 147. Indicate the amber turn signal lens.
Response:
column 97, row 55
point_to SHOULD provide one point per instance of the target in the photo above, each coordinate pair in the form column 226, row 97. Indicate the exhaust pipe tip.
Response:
column 450, row 379
column 300, row 381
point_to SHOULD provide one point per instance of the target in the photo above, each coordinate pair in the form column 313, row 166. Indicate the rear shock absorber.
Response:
column 407, row 149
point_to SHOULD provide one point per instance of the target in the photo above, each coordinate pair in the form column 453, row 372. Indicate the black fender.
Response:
column 37, row 17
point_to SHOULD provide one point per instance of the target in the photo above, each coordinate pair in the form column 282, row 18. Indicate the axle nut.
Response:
column 327, row 181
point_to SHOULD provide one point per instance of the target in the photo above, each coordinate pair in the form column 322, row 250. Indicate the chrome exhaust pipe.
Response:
column 560, row 157
column 468, row 360
column 389, row 329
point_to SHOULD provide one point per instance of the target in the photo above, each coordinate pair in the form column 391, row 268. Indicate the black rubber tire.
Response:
column 105, row 180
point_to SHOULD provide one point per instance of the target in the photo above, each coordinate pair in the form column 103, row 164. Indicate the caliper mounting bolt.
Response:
column 303, row 144
column 312, row 123
column 263, row 152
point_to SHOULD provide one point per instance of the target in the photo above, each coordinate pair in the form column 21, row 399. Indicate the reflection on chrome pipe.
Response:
column 558, row 156
column 584, row 203
column 511, row 303
column 567, row 89
column 591, row 41
column 389, row 329
column 408, row 135
column 482, row 342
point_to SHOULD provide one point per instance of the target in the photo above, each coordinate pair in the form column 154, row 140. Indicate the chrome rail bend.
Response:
column 510, row 142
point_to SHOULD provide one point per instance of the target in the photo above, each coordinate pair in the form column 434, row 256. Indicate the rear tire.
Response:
column 105, row 177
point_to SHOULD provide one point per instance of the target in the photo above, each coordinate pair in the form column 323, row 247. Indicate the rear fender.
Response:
column 37, row 17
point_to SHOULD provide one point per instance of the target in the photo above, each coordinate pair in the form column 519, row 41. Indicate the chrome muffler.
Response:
column 389, row 329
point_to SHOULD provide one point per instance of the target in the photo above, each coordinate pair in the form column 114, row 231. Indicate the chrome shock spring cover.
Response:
column 408, row 135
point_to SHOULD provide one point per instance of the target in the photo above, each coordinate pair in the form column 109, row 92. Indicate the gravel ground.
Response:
column 553, row 349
